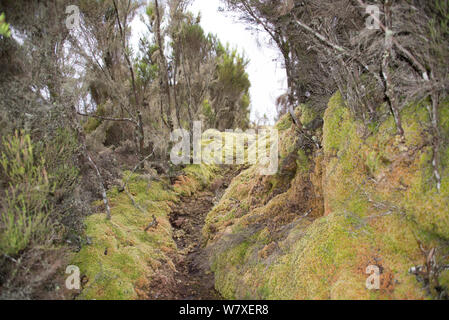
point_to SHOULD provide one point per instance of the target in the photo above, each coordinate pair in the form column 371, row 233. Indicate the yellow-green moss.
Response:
column 134, row 257
column 337, row 127
column 122, row 253
column 303, row 162
column 287, row 143
column 93, row 123
column 284, row 123
column 308, row 114
column 324, row 260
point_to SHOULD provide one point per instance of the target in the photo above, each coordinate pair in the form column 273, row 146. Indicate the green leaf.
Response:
column 4, row 27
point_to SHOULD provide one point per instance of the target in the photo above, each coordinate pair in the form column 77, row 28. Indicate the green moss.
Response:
column 195, row 178
column 284, row 123
column 444, row 117
column 204, row 173
column 444, row 279
column 303, row 162
column 93, row 123
column 131, row 252
column 337, row 125
column 237, row 254
column 134, row 257
column 413, row 117
column 327, row 261
column 379, row 199
column 287, row 143
column 307, row 115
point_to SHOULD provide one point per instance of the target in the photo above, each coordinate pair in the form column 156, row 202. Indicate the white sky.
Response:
column 268, row 79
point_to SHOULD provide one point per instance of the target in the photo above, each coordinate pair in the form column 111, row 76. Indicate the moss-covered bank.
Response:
column 122, row 260
column 310, row 232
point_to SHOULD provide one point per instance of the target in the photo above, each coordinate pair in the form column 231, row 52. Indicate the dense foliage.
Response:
column 73, row 88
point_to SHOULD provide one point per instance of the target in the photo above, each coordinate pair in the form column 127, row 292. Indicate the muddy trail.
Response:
column 193, row 279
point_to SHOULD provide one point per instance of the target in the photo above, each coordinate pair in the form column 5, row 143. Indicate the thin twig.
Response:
column 389, row 92
column 103, row 189
column 152, row 224
column 334, row 46
column 134, row 170
column 125, row 53
column 124, row 187
column 433, row 110
column 135, row 204
column 407, row 53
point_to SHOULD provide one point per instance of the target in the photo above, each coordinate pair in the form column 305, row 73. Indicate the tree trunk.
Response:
column 164, row 70
column 141, row 139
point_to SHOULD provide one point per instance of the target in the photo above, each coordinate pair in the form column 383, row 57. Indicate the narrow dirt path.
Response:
column 194, row 280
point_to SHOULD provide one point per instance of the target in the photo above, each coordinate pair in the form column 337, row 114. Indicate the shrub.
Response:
column 59, row 154
column 25, row 208
column 4, row 27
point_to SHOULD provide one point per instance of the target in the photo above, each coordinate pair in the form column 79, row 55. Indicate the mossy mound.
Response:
column 368, row 198
column 256, row 213
column 123, row 258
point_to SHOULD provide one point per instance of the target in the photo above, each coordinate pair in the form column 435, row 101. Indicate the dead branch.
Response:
column 339, row 49
column 124, row 186
column 152, row 224
column 103, row 189
column 404, row 51
column 107, row 118
column 389, row 92
column 163, row 61
column 134, row 170
column 434, row 117
column 125, row 53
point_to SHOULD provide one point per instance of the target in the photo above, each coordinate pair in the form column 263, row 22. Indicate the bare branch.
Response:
column 107, row 118
column 406, row 52
column 334, row 46
column 389, row 92
column 125, row 53
column 134, row 170
column 152, row 224
column 103, row 189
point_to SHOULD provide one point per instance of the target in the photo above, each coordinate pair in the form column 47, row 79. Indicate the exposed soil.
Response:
column 193, row 279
